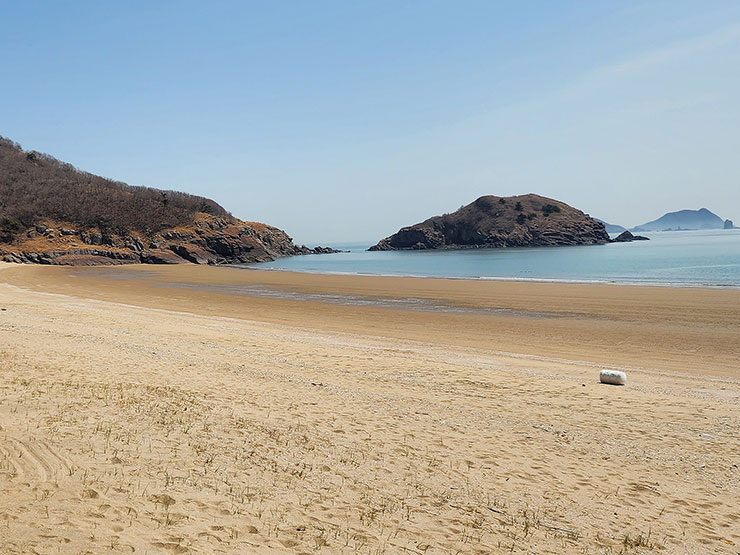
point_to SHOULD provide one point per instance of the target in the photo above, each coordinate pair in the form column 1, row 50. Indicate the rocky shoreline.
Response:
column 210, row 240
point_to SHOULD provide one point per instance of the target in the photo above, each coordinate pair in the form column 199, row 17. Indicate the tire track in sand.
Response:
column 31, row 460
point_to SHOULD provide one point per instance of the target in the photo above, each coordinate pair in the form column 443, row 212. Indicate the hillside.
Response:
column 683, row 220
column 519, row 221
column 612, row 228
column 53, row 213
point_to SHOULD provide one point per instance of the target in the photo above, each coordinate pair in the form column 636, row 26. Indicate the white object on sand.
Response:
column 614, row 377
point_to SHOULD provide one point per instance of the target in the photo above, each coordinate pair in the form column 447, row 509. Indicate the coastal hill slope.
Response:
column 490, row 221
column 683, row 220
column 53, row 213
column 612, row 228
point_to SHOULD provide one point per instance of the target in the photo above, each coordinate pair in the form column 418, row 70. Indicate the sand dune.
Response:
column 137, row 415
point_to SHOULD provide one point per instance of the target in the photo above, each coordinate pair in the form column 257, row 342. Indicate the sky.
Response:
column 341, row 122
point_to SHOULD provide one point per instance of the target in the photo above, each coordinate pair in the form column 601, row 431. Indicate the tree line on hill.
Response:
column 35, row 187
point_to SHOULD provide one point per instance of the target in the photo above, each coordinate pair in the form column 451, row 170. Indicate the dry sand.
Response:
column 162, row 410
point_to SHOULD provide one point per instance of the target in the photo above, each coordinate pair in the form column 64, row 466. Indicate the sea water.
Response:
column 679, row 258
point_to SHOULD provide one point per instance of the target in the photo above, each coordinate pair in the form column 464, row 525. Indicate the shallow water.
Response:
column 705, row 258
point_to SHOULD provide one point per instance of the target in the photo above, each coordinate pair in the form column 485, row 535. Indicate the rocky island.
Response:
column 494, row 222
column 53, row 213
column 684, row 220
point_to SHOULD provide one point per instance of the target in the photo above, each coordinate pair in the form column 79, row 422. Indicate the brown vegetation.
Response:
column 36, row 187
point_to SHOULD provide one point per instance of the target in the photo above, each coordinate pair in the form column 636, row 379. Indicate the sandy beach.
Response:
column 190, row 409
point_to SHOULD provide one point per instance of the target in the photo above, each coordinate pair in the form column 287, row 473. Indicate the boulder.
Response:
column 193, row 253
column 160, row 256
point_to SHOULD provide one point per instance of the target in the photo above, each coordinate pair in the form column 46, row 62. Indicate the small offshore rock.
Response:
column 627, row 237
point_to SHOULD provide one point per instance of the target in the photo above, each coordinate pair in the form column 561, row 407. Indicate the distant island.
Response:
column 53, row 213
column 494, row 222
column 684, row 220
column 612, row 228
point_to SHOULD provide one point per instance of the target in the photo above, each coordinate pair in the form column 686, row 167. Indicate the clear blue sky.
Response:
column 342, row 121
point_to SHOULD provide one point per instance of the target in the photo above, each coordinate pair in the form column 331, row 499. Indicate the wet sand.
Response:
column 199, row 409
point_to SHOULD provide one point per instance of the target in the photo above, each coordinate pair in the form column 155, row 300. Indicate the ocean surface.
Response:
column 678, row 258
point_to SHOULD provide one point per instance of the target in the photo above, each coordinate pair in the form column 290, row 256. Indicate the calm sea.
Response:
column 705, row 258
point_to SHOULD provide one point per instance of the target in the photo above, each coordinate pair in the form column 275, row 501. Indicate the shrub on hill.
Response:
column 550, row 209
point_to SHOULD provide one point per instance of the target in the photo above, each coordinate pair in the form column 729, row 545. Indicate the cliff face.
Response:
column 493, row 222
column 53, row 213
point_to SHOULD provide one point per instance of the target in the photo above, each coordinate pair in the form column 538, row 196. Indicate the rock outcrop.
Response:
column 210, row 240
column 494, row 222
column 627, row 237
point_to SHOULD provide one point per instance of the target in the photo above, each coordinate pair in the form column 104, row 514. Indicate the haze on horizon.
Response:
column 343, row 121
